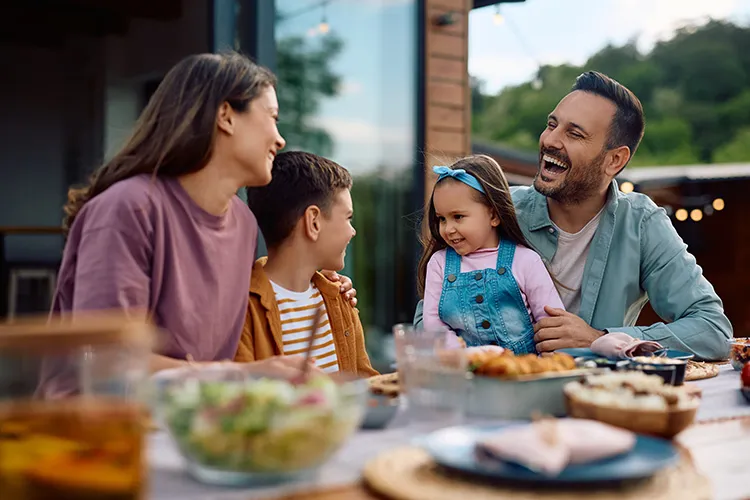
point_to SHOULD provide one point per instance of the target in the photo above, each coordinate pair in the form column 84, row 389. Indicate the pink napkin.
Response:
column 622, row 345
column 549, row 445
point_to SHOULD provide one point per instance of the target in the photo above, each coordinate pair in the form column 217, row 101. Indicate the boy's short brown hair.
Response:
column 298, row 181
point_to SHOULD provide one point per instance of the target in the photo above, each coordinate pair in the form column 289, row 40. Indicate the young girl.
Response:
column 477, row 274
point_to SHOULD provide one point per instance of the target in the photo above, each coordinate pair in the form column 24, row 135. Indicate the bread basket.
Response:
column 666, row 424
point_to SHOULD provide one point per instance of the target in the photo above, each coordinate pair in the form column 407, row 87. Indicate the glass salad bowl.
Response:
column 236, row 428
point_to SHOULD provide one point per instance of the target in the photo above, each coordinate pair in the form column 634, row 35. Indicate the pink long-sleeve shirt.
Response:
column 536, row 285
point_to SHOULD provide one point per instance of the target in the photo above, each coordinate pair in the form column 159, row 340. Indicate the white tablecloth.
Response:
column 721, row 396
column 169, row 481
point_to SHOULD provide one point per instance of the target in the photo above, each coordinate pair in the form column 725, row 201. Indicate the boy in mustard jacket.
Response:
column 305, row 216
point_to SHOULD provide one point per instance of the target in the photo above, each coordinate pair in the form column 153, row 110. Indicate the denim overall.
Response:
column 486, row 307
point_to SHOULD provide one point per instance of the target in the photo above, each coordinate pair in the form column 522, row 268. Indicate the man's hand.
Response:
column 562, row 330
column 347, row 288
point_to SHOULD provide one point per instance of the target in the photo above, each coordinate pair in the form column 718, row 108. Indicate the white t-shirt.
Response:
column 297, row 314
column 570, row 259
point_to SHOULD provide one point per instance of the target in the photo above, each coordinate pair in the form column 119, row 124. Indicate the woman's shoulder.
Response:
column 127, row 202
column 133, row 191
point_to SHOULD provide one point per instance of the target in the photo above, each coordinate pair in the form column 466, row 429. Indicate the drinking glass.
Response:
column 433, row 377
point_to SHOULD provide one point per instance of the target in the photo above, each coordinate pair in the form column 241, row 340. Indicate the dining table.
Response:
column 718, row 442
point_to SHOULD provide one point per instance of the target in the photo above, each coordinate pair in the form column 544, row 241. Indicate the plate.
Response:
column 585, row 352
column 454, row 448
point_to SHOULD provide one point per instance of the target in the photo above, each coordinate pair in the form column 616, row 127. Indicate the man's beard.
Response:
column 580, row 182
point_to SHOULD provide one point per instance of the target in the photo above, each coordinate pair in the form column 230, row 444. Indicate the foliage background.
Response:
column 695, row 90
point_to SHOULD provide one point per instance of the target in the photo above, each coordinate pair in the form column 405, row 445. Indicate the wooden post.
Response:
column 447, row 92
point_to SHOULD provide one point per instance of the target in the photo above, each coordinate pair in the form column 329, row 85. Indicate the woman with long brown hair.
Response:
column 478, row 275
column 159, row 228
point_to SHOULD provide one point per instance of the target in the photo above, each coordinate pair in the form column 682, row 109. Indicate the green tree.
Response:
column 694, row 90
column 305, row 77
column 737, row 150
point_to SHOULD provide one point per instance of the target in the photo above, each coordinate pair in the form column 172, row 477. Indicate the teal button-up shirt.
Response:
column 636, row 256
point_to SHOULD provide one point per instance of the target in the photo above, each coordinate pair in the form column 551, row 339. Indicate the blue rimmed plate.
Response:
column 585, row 352
column 455, row 448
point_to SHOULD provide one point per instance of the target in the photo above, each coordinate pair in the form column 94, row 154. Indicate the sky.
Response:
column 538, row 32
column 372, row 118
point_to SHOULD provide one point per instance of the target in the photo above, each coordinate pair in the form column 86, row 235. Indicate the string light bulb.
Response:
column 681, row 214
column 696, row 214
column 718, row 204
column 627, row 187
column 498, row 18
column 323, row 27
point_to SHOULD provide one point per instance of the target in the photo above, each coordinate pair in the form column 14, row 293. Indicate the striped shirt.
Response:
column 297, row 313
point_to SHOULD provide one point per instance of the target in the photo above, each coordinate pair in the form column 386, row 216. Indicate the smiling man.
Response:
column 609, row 251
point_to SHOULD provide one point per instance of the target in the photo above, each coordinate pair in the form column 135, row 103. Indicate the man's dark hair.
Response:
column 628, row 122
column 299, row 180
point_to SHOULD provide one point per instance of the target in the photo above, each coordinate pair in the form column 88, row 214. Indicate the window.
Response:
column 347, row 90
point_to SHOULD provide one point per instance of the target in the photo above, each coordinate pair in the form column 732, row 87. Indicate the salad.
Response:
column 260, row 425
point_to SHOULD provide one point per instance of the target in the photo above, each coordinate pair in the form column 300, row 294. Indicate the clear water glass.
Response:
column 433, row 377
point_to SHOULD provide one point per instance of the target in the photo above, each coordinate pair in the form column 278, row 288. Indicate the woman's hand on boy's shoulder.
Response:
column 347, row 287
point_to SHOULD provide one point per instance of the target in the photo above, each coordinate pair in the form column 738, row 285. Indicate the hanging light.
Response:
column 696, row 214
column 681, row 214
column 627, row 187
column 323, row 27
column 498, row 18
column 718, row 204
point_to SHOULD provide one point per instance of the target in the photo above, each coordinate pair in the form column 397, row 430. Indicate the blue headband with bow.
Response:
column 460, row 175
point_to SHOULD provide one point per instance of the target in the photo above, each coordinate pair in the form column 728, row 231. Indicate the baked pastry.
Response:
column 507, row 364
column 698, row 371
column 386, row 384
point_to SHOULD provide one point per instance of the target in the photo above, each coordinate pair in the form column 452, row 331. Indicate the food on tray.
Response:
column 507, row 364
column 631, row 390
column 549, row 445
column 386, row 384
column 260, row 425
column 698, row 370
column 739, row 353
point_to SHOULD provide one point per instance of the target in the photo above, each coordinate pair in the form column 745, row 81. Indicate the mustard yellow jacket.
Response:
column 261, row 335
